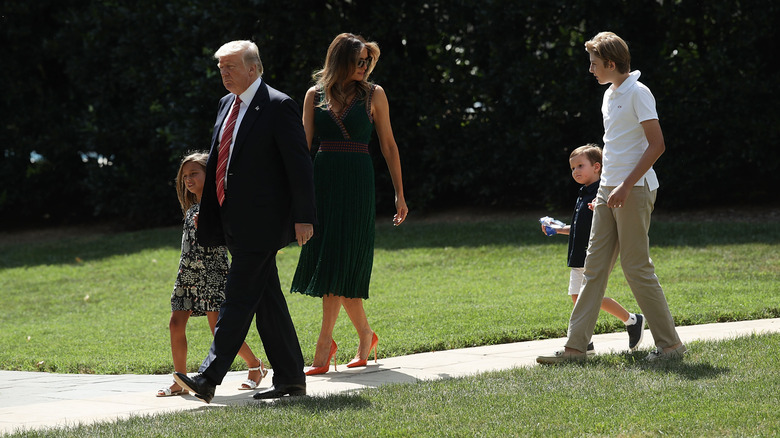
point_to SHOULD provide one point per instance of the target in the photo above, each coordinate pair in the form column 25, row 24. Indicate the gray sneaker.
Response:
column 561, row 357
column 590, row 351
column 636, row 332
column 659, row 354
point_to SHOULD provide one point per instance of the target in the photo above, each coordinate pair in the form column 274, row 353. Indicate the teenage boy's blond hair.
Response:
column 609, row 47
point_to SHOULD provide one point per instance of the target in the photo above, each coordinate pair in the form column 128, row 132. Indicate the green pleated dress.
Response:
column 339, row 258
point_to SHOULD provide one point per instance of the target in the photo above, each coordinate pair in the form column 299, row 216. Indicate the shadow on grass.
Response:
column 87, row 247
column 522, row 231
column 526, row 231
column 688, row 370
column 333, row 402
column 685, row 368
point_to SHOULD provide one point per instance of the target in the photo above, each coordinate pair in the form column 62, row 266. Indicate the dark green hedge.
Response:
column 487, row 97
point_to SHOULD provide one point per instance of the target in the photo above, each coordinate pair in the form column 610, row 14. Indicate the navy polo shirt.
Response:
column 579, row 232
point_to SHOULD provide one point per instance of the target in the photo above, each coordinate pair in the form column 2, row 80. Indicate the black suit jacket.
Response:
column 270, row 183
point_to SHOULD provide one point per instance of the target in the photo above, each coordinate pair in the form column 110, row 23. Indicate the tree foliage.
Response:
column 102, row 98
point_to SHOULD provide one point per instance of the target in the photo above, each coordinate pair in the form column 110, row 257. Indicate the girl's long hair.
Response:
column 186, row 198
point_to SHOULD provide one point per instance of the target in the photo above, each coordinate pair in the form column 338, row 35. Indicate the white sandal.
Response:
column 250, row 384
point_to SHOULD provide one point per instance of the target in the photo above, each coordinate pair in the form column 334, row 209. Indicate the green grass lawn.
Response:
column 99, row 303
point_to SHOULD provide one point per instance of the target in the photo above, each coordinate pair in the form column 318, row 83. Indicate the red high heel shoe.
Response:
column 363, row 362
column 313, row 371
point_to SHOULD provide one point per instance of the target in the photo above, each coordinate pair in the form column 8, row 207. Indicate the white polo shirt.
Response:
column 623, row 110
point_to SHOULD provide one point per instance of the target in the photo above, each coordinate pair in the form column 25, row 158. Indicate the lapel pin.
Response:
column 257, row 108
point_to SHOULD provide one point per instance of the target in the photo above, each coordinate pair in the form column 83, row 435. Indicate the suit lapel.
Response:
column 251, row 116
column 225, row 105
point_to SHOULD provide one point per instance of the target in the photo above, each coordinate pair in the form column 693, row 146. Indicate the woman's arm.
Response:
column 308, row 115
column 380, row 109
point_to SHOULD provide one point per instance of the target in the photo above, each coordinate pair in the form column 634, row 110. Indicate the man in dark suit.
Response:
column 257, row 198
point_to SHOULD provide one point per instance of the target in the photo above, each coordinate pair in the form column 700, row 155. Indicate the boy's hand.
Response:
column 618, row 196
column 550, row 226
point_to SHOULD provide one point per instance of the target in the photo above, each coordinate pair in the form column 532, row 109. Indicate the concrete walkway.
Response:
column 34, row 400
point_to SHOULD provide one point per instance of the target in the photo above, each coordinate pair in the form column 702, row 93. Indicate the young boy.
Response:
column 633, row 141
column 585, row 162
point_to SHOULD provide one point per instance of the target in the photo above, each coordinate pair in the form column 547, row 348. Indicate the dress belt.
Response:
column 343, row 146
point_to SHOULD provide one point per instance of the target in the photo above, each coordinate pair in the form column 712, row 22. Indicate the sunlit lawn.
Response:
column 100, row 303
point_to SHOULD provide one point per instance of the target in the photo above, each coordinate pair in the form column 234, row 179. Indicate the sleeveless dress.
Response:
column 200, row 283
column 339, row 257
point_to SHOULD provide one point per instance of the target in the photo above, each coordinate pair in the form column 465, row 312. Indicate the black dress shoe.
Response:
column 199, row 384
column 280, row 390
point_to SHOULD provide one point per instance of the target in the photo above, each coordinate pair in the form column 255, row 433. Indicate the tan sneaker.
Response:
column 562, row 356
column 659, row 354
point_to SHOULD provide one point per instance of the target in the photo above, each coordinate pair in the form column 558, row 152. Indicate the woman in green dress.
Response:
column 342, row 109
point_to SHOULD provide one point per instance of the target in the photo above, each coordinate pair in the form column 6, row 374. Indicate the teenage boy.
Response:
column 633, row 141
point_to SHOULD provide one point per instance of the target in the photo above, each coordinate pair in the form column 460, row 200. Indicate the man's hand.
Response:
column 303, row 233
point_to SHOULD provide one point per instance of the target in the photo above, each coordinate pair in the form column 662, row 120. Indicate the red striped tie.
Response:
column 224, row 149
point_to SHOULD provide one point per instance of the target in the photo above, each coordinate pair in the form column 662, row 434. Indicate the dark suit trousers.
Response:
column 253, row 290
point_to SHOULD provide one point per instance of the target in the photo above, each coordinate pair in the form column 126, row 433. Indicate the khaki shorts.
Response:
column 576, row 278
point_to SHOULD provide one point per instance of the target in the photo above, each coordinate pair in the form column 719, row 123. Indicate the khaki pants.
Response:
column 621, row 231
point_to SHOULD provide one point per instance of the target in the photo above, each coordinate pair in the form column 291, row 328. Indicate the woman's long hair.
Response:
column 340, row 65
column 186, row 198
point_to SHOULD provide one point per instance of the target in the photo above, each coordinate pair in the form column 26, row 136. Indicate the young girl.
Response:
column 200, row 285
